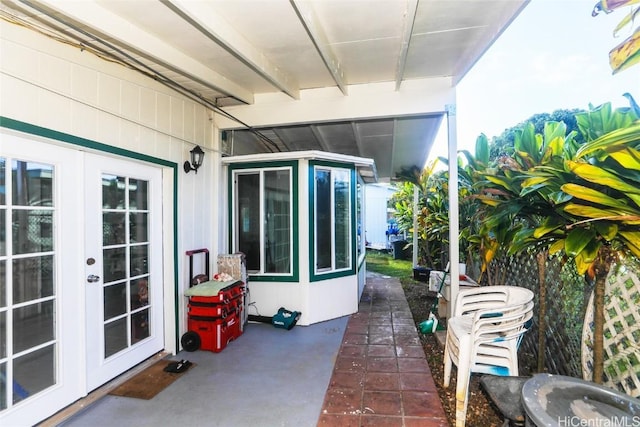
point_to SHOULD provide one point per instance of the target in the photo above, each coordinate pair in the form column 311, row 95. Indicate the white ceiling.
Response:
column 227, row 53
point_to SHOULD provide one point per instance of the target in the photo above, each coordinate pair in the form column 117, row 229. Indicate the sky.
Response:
column 554, row 55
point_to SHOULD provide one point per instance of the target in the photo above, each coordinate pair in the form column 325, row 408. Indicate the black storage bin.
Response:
column 398, row 249
column 421, row 274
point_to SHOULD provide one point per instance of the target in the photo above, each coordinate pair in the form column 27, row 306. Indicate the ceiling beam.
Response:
column 319, row 39
column 281, row 139
column 407, row 29
column 318, row 135
column 201, row 16
column 393, row 149
column 115, row 30
column 357, row 137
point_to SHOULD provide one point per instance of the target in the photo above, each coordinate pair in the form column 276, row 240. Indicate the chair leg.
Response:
column 462, row 385
column 447, row 366
column 513, row 369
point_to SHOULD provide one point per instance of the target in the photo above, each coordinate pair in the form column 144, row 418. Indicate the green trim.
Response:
column 8, row 123
column 267, row 278
column 313, row 276
column 176, row 299
column 31, row 129
column 354, row 220
column 293, row 164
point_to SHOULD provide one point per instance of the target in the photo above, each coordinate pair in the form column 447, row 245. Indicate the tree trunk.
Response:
column 542, row 309
column 601, row 269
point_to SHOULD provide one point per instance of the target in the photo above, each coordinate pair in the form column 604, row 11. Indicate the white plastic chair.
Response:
column 483, row 336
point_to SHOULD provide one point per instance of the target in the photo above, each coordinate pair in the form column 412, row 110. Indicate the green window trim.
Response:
column 258, row 167
column 314, row 275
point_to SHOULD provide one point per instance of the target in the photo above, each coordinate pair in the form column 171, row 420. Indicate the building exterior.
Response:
column 97, row 211
column 378, row 215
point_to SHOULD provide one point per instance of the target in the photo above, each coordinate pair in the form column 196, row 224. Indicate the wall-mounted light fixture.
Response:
column 197, row 155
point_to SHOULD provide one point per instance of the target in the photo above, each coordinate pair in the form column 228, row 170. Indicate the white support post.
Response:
column 454, row 223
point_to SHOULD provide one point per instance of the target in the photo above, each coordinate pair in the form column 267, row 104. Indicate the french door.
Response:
column 80, row 274
column 123, row 265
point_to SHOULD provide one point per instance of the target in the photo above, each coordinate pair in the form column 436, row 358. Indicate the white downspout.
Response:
column 454, row 224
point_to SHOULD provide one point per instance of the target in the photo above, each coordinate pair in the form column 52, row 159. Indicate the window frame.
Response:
column 323, row 274
column 260, row 168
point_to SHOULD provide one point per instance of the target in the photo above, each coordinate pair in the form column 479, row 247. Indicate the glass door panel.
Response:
column 248, row 229
column 125, row 262
column 277, row 221
column 28, row 338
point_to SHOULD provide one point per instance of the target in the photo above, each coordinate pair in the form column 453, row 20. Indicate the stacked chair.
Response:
column 483, row 336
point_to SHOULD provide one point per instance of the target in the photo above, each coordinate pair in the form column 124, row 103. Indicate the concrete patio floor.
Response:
column 367, row 369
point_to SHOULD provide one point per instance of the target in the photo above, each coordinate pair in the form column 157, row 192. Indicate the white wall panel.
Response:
column 18, row 97
column 54, row 74
column 19, row 62
column 164, row 119
column 163, row 146
column 129, row 101
column 84, row 85
column 146, row 140
column 178, row 122
column 54, row 111
column 108, row 127
column 108, row 93
column 84, row 121
column 188, row 118
column 129, row 135
column 147, row 107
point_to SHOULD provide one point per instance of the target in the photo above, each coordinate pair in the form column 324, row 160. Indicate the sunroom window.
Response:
column 263, row 219
column 333, row 219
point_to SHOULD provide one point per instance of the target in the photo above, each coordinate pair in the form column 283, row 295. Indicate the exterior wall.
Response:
column 317, row 301
column 61, row 88
column 362, row 278
column 376, row 197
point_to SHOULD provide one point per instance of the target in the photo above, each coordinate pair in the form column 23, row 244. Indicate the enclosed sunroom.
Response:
column 298, row 218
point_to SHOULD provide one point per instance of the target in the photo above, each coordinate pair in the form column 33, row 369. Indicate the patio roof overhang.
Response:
column 349, row 77
column 238, row 56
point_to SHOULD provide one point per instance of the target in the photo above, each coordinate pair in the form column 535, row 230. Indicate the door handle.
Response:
column 92, row 278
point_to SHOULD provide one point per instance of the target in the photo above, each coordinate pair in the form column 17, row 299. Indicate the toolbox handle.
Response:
column 197, row 251
column 190, row 254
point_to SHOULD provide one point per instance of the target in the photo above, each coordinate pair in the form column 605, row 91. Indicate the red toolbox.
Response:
column 211, row 306
column 215, row 332
column 214, row 313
